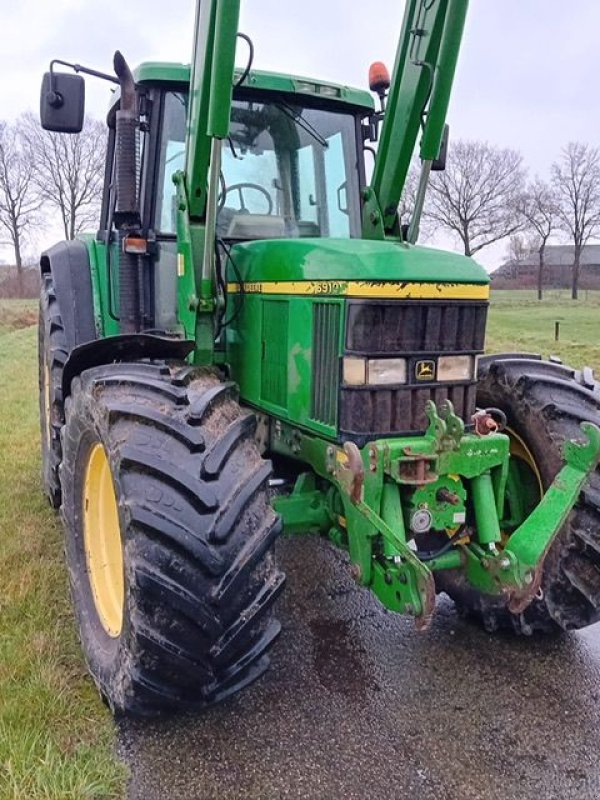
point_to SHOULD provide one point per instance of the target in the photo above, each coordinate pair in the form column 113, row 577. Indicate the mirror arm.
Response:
column 54, row 98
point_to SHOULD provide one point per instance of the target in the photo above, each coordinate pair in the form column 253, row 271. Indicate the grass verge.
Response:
column 56, row 737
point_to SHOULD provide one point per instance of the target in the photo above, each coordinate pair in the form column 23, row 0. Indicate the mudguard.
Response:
column 69, row 265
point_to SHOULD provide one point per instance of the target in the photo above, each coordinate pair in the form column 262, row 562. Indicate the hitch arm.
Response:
column 530, row 543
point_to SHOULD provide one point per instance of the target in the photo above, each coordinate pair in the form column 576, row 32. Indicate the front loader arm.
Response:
column 211, row 88
column 418, row 100
column 211, row 92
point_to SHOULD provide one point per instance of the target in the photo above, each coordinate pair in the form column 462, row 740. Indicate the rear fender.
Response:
column 69, row 265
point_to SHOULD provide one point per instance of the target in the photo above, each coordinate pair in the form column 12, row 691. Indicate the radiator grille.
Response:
column 382, row 412
column 413, row 330
column 415, row 327
column 326, row 336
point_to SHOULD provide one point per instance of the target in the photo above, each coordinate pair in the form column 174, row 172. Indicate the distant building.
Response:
column 558, row 265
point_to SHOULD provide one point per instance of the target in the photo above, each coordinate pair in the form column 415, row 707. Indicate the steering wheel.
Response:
column 240, row 188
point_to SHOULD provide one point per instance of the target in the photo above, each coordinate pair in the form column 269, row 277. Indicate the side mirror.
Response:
column 439, row 164
column 62, row 102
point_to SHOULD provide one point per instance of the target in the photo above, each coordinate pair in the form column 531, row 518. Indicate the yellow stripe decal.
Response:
column 381, row 289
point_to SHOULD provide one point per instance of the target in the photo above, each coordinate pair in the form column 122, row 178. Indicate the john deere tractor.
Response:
column 252, row 343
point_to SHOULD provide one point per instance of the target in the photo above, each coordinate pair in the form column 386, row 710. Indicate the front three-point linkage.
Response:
column 446, row 481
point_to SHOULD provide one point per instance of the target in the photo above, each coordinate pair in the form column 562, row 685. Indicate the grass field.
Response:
column 518, row 322
column 56, row 738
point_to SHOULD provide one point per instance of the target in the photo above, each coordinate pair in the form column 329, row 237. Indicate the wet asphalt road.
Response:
column 357, row 704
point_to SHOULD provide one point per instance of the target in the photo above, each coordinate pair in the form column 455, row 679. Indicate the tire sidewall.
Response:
column 44, row 369
column 103, row 653
column 48, row 368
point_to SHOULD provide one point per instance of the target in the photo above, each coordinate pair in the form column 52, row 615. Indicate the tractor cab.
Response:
column 292, row 166
column 288, row 168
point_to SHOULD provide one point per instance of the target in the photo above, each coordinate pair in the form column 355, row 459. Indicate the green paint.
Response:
column 305, row 510
column 322, row 260
column 484, row 503
column 449, row 513
column 274, row 352
column 156, row 72
column 530, row 541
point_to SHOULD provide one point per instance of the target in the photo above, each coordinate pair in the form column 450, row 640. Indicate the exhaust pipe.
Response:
column 127, row 216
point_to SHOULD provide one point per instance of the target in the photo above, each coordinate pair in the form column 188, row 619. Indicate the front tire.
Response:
column 197, row 576
column 544, row 403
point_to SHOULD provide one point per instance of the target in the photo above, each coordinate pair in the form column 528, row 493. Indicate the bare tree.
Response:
column 517, row 252
column 540, row 209
column 19, row 198
column 576, row 178
column 476, row 196
column 69, row 170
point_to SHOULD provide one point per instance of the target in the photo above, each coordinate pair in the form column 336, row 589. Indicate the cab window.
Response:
column 287, row 171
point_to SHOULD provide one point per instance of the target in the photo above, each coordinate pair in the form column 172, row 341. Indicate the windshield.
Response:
column 287, row 171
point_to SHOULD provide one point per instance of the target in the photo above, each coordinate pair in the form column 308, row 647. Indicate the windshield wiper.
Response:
column 299, row 119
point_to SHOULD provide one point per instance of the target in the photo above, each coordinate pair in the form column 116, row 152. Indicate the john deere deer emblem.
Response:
column 425, row 370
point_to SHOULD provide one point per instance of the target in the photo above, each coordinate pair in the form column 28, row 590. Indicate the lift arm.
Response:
column 211, row 87
column 211, row 91
column 418, row 100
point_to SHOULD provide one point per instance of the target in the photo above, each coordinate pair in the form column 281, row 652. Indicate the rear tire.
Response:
column 197, row 533
column 544, row 403
column 52, row 354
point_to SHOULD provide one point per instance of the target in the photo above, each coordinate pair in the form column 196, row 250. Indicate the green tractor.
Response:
column 253, row 344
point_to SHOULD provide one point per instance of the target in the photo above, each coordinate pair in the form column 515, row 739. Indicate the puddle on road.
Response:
column 340, row 660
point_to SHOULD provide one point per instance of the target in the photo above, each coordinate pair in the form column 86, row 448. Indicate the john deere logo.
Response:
column 425, row 370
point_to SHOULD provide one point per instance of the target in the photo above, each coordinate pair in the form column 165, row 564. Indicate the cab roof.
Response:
column 171, row 73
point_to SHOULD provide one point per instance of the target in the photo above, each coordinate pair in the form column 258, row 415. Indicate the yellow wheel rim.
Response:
column 102, row 541
column 518, row 449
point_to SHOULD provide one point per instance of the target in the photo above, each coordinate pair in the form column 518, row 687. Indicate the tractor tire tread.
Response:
column 52, row 354
column 198, row 539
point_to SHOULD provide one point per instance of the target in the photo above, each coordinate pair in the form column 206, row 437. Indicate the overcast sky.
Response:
column 527, row 75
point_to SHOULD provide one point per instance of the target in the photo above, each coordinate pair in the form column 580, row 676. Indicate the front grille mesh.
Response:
column 415, row 327
column 384, row 412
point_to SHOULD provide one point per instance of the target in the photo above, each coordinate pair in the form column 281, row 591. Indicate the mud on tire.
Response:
column 544, row 403
column 197, row 533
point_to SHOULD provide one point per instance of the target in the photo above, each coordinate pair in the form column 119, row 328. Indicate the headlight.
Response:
column 354, row 371
column 455, row 368
column 386, row 370
column 373, row 371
